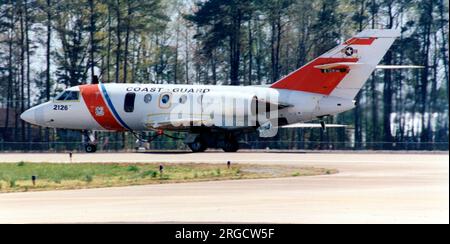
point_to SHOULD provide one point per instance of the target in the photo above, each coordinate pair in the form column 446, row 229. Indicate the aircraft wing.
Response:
column 179, row 124
column 310, row 125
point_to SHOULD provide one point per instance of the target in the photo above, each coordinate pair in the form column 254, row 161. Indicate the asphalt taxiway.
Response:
column 369, row 188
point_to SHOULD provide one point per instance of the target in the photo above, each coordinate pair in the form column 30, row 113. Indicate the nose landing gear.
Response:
column 90, row 145
column 90, row 148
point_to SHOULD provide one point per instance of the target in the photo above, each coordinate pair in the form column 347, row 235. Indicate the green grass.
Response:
column 52, row 176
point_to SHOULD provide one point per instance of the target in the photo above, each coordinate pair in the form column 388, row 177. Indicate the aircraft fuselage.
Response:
column 102, row 107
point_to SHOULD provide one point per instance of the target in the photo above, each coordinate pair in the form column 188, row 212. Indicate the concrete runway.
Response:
column 370, row 188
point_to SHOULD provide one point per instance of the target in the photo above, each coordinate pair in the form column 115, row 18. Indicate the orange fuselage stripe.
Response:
column 98, row 108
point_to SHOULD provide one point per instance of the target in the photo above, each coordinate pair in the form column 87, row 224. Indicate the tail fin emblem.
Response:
column 349, row 51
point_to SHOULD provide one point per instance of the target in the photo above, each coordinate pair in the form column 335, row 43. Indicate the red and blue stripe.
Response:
column 97, row 98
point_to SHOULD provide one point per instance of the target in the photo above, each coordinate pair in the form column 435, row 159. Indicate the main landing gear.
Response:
column 230, row 143
column 199, row 145
column 197, row 141
column 200, row 142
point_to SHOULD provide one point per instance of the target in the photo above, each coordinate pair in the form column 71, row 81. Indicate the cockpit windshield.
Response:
column 68, row 96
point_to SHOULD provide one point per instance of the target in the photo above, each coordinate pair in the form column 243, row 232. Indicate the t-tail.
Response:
column 342, row 71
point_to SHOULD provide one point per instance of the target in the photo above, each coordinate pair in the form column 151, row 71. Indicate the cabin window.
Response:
column 164, row 100
column 148, row 98
column 129, row 102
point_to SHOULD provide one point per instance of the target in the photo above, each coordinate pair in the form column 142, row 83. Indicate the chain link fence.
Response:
column 130, row 146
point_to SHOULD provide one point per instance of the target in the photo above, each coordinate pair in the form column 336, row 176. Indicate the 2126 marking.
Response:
column 61, row 107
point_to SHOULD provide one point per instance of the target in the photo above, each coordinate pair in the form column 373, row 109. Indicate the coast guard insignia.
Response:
column 99, row 111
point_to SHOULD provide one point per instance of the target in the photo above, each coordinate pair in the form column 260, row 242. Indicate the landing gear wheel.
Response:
column 91, row 148
column 231, row 147
column 198, row 145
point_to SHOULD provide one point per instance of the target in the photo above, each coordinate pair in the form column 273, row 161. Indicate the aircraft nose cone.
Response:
column 29, row 116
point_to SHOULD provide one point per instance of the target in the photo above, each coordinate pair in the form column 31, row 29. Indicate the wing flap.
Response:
column 399, row 67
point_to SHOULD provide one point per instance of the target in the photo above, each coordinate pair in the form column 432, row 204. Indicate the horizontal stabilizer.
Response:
column 351, row 65
column 399, row 67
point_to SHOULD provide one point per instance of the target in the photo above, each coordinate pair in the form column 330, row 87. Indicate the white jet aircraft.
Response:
column 213, row 116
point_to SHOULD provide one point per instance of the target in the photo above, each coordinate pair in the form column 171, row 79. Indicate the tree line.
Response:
column 48, row 45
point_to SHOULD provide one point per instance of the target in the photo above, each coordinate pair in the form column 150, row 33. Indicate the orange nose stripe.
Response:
column 98, row 108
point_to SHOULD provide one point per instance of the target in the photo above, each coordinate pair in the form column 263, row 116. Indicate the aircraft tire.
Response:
column 90, row 148
column 198, row 145
column 230, row 146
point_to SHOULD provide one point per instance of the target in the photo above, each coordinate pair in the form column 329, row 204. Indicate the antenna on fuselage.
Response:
column 94, row 80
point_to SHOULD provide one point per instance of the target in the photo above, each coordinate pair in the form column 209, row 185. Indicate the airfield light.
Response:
column 33, row 179
column 161, row 169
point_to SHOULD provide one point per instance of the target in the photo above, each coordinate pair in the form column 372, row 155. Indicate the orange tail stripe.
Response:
column 310, row 79
column 97, row 107
column 360, row 41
